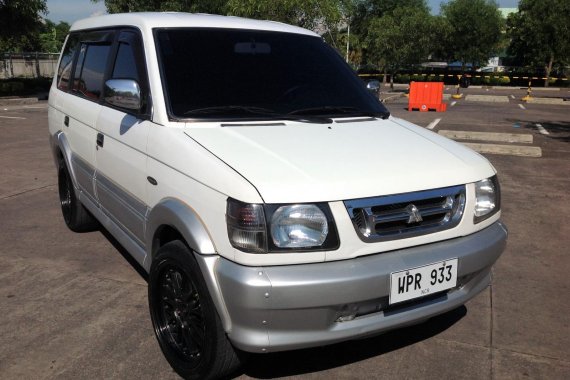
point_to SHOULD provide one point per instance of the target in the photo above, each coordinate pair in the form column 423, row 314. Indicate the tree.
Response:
column 309, row 14
column 363, row 12
column 20, row 23
column 124, row 6
column 540, row 33
column 401, row 37
column 52, row 36
column 472, row 30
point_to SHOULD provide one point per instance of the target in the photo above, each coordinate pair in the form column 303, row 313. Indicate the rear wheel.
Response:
column 185, row 321
column 76, row 216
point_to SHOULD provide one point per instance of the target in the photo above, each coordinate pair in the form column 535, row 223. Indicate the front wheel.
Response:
column 184, row 318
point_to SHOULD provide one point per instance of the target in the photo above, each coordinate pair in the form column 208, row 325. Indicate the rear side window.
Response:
column 66, row 62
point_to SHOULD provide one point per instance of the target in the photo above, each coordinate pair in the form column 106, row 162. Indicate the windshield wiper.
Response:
column 253, row 110
column 330, row 111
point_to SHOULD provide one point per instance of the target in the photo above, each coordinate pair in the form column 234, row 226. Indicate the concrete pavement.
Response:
column 73, row 306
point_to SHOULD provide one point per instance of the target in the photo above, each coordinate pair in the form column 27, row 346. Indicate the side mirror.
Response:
column 123, row 93
column 373, row 86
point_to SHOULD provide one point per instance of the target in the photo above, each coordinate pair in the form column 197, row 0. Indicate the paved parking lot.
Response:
column 73, row 306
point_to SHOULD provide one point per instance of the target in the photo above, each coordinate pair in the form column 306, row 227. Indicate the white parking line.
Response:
column 512, row 96
column 541, row 129
column 510, row 150
column 487, row 136
column 13, row 117
column 433, row 124
column 452, row 104
column 522, row 107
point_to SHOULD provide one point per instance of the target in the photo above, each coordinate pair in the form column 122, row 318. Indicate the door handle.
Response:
column 66, row 121
column 100, row 139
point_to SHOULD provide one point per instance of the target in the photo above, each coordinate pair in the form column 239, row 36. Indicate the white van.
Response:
column 275, row 203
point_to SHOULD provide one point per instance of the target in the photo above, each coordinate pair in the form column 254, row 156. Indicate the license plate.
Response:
column 422, row 281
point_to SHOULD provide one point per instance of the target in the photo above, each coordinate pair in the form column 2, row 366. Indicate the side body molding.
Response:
column 179, row 215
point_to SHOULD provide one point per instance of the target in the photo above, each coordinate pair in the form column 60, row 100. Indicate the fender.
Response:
column 179, row 215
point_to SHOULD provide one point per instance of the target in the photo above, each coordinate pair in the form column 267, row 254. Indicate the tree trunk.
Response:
column 392, row 81
column 548, row 70
column 384, row 78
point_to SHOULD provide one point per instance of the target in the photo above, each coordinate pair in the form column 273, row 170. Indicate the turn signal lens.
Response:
column 487, row 201
column 246, row 226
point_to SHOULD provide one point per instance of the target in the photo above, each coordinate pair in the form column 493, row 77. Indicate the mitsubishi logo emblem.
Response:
column 414, row 214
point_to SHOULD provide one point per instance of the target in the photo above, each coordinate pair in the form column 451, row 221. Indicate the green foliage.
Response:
column 20, row 24
column 52, row 37
column 401, row 37
column 304, row 13
column 123, row 6
column 540, row 33
column 471, row 30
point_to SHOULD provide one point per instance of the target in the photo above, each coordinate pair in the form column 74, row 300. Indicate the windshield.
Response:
column 227, row 74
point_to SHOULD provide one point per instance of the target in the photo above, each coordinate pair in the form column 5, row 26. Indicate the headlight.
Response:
column 299, row 226
column 266, row 228
column 487, row 199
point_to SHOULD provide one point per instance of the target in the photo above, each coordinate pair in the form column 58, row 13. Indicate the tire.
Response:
column 185, row 321
column 76, row 216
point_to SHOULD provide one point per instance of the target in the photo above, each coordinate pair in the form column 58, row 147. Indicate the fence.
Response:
column 28, row 65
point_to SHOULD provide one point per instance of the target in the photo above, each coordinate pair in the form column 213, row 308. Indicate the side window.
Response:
column 129, row 64
column 66, row 62
column 126, row 66
column 89, row 76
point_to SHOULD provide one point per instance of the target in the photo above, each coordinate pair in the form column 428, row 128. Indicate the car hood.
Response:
column 302, row 162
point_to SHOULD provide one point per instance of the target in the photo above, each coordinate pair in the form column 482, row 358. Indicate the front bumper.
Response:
column 296, row 306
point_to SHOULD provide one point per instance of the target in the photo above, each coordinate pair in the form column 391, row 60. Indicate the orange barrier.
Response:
column 426, row 96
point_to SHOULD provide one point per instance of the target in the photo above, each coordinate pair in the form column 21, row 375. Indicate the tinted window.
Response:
column 279, row 72
column 90, row 70
column 66, row 63
column 125, row 63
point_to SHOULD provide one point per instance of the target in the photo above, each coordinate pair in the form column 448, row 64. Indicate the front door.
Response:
column 121, row 146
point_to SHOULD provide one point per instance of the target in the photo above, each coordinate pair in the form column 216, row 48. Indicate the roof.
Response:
column 149, row 20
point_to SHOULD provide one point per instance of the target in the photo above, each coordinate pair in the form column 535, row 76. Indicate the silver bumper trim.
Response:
column 296, row 306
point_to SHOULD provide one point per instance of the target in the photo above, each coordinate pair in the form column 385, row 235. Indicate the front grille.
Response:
column 405, row 215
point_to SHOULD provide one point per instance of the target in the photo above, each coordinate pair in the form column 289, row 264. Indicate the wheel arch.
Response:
column 61, row 150
column 172, row 219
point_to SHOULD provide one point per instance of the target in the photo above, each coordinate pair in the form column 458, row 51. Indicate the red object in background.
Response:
column 426, row 96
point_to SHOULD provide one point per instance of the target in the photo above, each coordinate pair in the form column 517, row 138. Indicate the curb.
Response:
column 17, row 101
column 554, row 101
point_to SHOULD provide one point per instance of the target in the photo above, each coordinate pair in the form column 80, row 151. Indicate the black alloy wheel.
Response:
column 185, row 320
column 180, row 319
column 75, row 215
column 65, row 192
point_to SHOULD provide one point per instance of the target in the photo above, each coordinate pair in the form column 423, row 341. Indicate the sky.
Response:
column 73, row 10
